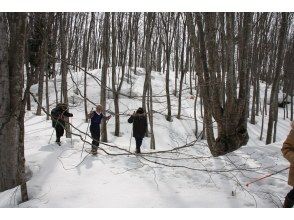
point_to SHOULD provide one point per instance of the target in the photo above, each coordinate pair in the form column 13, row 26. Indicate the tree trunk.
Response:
column 278, row 69
column 113, row 70
column 183, row 71
column 195, row 113
column 232, row 118
column 92, row 22
column 42, row 56
column 28, row 72
column 168, row 117
column 63, row 68
column 148, row 62
column 105, row 55
column 12, row 162
column 47, row 96
column 169, row 32
column 176, row 45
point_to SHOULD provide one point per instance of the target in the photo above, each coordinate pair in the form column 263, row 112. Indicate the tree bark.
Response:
column 92, row 22
column 105, row 55
column 12, row 161
column 231, row 119
column 113, row 70
column 42, row 56
column 183, row 72
column 63, row 68
column 278, row 69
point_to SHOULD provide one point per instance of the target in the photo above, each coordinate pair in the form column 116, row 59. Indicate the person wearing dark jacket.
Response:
column 139, row 121
column 288, row 153
column 96, row 118
column 58, row 115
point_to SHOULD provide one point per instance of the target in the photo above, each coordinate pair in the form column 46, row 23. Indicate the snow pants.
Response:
column 59, row 132
column 139, row 141
column 95, row 134
column 290, row 195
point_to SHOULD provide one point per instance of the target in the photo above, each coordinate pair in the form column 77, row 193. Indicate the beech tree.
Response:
column 12, row 108
column 276, row 79
column 41, row 26
column 169, row 29
column 105, row 55
column 87, row 43
column 231, row 118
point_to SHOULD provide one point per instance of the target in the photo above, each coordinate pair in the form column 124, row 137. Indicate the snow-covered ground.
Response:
column 67, row 177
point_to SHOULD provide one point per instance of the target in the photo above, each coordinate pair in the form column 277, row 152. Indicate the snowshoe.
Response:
column 58, row 142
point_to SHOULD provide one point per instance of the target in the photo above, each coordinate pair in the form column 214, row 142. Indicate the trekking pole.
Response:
column 279, row 171
column 53, row 130
column 71, row 132
column 51, row 135
column 130, row 145
column 86, row 135
column 131, row 140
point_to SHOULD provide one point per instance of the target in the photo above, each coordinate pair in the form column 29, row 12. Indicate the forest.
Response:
column 217, row 89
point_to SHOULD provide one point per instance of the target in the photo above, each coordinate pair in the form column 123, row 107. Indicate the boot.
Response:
column 288, row 203
column 94, row 151
column 58, row 142
column 138, row 150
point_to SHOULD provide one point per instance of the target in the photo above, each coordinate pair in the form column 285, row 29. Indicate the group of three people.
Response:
column 139, row 121
column 138, row 118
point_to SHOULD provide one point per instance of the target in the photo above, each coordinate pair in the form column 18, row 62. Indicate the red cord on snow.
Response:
column 279, row 171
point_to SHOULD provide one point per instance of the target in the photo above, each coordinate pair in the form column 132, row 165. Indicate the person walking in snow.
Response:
column 139, row 121
column 288, row 152
column 96, row 118
column 58, row 115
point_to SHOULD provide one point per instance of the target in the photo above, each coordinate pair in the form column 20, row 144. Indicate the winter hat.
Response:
column 292, row 124
column 140, row 111
column 62, row 105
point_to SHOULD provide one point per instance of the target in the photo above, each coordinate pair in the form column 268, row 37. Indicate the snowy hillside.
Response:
column 66, row 176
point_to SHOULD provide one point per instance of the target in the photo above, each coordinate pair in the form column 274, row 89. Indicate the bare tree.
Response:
column 12, row 110
column 275, row 86
column 183, row 71
column 150, row 22
column 90, row 31
column 47, row 63
column 289, row 74
column 231, row 119
column 105, row 55
column 169, row 26
column 113, row 69
column 41, row 23
column 63, row 69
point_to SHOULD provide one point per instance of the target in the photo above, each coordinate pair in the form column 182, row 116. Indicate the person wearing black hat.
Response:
column 58, row 115
column 139, row 121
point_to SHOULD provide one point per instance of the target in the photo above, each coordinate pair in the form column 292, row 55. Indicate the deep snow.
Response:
column 60, row 179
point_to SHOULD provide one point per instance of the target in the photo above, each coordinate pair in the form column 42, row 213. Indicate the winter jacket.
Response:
column 96, row 120
column 139, row 125
column 288, row 152
column 58, row 115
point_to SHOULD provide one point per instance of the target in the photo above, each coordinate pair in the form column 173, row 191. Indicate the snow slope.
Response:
column 67, row 177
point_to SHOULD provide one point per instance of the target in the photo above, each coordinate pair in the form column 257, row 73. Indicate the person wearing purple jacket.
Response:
column 96, row 118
